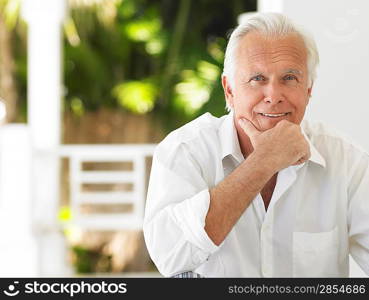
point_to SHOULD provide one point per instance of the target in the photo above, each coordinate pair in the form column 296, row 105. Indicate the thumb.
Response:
column 248, row 127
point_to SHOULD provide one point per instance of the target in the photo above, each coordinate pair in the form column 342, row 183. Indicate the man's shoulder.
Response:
column 196, row 139
column 203, row 127
column 326, row 137
column 314, row 129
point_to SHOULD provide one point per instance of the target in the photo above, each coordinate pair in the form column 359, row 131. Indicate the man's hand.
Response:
column 282, row 146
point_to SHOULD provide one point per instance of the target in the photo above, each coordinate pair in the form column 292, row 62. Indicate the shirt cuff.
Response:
column 190, row 215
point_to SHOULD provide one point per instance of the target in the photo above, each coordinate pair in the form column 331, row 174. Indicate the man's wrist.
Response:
column 263, row 162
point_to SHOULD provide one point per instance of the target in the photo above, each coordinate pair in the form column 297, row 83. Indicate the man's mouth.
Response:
column 274, row 115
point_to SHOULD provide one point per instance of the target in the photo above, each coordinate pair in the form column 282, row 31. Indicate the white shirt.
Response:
column 318, row 214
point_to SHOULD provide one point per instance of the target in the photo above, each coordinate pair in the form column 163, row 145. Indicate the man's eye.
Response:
column 290, row 77
column 258, row 78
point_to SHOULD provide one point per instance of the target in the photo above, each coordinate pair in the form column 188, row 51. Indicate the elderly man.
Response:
column 260, row 192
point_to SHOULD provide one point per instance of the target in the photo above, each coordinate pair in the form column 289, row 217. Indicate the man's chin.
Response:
column 266, row 125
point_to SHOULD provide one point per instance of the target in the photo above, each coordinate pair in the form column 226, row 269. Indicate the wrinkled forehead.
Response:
column 256, row 49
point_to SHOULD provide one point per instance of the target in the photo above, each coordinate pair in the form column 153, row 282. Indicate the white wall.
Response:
column 341, row 91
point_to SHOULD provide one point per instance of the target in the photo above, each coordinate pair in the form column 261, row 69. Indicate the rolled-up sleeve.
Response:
column 358, row 215
column 177, row 204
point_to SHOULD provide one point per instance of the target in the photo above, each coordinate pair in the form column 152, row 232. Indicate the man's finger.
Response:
column 302, row 159
column 248, row 127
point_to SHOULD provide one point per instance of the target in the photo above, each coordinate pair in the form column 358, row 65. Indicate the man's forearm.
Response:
column 230, row 198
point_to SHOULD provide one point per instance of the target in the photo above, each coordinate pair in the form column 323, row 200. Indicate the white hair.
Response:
column 274, row 25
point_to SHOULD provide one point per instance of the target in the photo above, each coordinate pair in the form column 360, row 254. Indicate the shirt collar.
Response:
column 230, row 145
column 315, row 156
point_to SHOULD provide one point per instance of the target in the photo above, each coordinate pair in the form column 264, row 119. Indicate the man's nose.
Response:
column 273, row 94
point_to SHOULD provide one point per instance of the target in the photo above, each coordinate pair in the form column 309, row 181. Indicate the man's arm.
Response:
column 226, row 205
column 274, row 149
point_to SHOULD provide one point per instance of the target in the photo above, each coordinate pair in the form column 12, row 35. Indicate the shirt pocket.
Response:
column 315, row 254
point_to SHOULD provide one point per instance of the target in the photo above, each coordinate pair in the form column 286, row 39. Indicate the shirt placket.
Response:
column 285, row 179
column 266, row 238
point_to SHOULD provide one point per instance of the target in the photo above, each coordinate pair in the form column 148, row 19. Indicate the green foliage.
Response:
column 160, row 56
column 142, row 56
column 194, row 89
column 143, row 29
column 10, row 9
column 89, row 261
column 136, row 96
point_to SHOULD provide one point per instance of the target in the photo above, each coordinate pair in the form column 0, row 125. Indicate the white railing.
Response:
column 133, row 200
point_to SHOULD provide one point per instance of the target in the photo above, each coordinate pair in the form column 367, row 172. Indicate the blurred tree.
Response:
column 141, row 56
column 159, row 57
column 9, row 11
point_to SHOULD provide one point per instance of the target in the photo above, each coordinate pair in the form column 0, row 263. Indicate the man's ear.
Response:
column 310, row 89
column 228, row 93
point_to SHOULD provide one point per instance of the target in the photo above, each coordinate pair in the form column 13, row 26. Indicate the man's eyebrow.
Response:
column 253, row 74
column 293, row 71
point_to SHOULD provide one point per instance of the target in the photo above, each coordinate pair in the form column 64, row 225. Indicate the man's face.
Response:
column 270, row 80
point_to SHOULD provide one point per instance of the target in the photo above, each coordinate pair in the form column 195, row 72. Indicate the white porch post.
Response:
column 18, row 251
column 44, row 20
